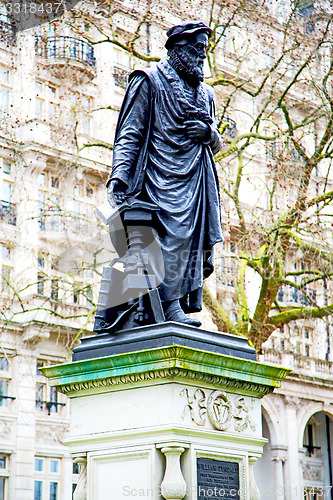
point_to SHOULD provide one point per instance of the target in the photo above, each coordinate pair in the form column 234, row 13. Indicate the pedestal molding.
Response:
column 167, row 363
column 168, row 373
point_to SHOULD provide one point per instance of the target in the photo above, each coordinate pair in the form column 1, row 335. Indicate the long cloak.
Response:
column 159, row 163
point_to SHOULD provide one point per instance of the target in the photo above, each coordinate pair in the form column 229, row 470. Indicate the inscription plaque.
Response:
column 217, row 480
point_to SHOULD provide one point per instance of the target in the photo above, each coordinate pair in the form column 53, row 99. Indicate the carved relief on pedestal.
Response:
column 219, row 409
column 223, row 410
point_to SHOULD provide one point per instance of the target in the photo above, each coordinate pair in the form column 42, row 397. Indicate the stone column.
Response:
column 293, row 476
column 173, row 485
column 254, row 491
column 80, row 492
column 279, row 458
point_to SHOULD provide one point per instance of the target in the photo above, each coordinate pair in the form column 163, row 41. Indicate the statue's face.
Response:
column 196, row 47
column 190, row 54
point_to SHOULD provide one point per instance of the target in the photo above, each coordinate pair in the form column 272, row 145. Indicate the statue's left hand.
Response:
column 197, row 130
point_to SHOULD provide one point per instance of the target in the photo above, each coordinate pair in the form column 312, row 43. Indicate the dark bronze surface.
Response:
column 217, row 479
column 163, row 157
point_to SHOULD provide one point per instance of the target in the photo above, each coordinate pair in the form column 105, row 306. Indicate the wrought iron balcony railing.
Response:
column 8, row 212
column 66, row 47
column 120, row 75
column 7, row 33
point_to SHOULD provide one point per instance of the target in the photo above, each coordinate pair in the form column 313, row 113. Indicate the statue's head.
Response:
column 187, row 44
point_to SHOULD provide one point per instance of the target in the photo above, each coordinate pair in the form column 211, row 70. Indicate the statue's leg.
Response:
column 174, row 312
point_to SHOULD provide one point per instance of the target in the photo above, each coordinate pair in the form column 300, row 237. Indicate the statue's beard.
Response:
column 189, row 67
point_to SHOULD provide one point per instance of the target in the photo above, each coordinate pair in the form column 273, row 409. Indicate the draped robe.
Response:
column 159, row 163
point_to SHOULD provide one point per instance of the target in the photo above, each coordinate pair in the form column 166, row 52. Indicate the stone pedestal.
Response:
column 169, row 420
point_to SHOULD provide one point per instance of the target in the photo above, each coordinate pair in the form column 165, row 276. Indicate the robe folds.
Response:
column 159, row 163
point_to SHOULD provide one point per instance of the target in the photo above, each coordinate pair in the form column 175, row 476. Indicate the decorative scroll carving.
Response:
column 216, row 380
column 222, row 411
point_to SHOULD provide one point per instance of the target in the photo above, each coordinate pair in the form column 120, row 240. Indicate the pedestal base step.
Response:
column 161, row 335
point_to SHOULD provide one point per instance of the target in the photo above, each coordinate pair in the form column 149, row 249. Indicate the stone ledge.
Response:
column 166, row 364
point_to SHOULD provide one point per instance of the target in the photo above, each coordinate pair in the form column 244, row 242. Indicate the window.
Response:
column 46, row 398
column 5, row 266
column 46, row 101
column 39, row 464
column 4, row 392
column 39, row 365
column 40, row 285
column 5, row 279
column 76, row 297
column 48, row 202
column 4, row 90
column 75, row 479
column 54, row 466
column 85, row 125
column 47, row 478
column 38, row 491
column 226, row 271
column 89, row 192
column 4, row 474
column 5, row 252
column 41, row 179
column 55, row 182
column 7, row 191
column 53, row 490
column 41, row 262
column 7, row 168
column 41, row 211
column 82, row 107
column 54, row 289
column 40, row 391
column 53, row 403
column 7, row 208
column 54, row 213
column 4, row 363
column 89, row 296
column 121, row 68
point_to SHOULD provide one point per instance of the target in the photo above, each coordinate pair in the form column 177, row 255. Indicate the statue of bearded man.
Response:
column 165, row 140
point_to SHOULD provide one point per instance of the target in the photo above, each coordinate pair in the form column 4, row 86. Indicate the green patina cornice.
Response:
column 171, row 363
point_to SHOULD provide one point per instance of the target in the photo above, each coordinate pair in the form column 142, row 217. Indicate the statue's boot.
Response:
column 174, row 312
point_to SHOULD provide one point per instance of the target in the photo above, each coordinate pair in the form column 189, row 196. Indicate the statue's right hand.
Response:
column 116, row 191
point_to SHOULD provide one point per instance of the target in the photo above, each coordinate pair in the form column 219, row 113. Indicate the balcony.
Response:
column 120, row 75
column 8, row 212
column 7, row 33
column 304, row 366
column 55, row 225
column 67, row 57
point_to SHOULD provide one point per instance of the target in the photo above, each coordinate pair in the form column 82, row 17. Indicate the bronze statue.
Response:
column 164, row 172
